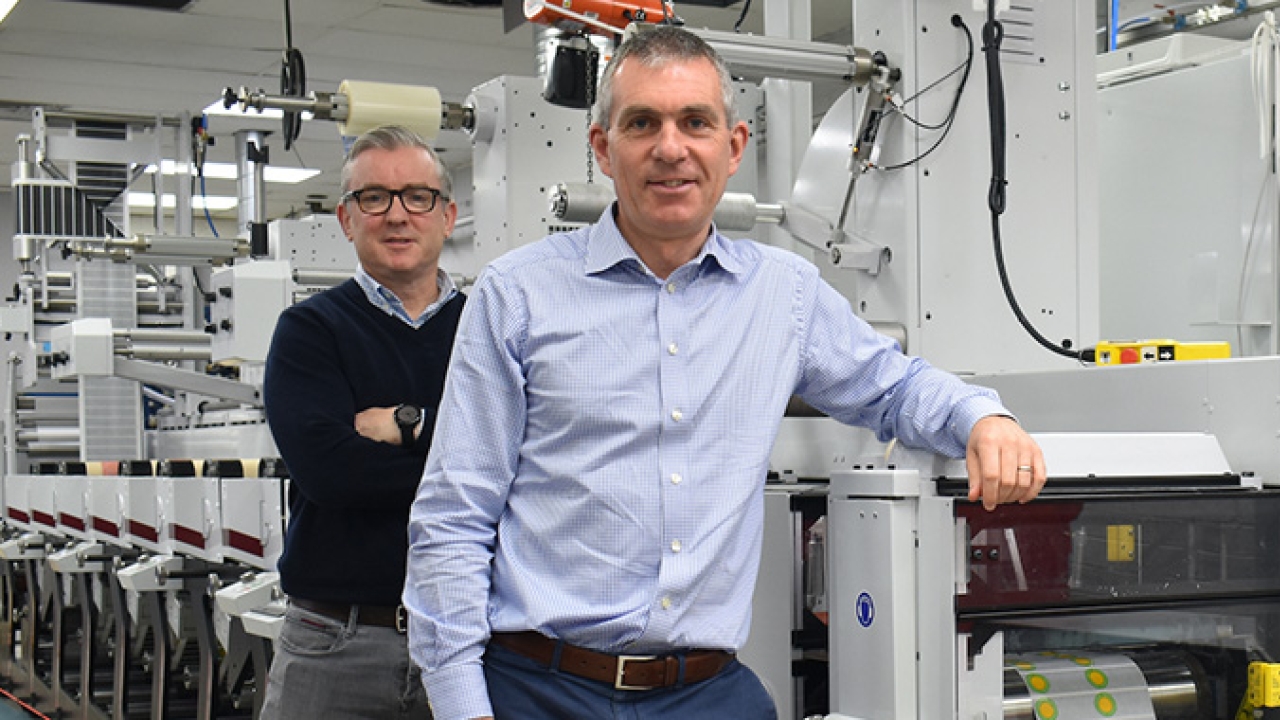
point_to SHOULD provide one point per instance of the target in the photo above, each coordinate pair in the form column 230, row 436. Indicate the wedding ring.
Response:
column 1024, row 468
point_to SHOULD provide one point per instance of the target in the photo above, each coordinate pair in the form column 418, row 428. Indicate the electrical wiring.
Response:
column 737, row 26
column 964, row 66
column 1243, row 284
column 947, row 122
column 992, row 37
column 200, row 151
column 204, row 195
column 1265, row 74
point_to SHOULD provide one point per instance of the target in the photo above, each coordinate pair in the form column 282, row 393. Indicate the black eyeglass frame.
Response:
column 436, row 197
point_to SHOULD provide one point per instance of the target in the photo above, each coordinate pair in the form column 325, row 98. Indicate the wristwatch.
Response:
column 407, row 417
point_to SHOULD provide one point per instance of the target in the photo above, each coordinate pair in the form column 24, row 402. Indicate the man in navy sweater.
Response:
column 353, row 380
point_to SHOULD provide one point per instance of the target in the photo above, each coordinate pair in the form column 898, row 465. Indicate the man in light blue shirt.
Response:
column 595, row 489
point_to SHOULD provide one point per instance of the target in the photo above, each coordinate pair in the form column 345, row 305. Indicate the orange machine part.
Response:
column 617, row 13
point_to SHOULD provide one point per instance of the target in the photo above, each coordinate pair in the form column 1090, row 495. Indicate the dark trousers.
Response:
column 521, row 689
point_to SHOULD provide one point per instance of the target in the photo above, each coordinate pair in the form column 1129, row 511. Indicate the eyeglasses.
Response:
column 416, row 199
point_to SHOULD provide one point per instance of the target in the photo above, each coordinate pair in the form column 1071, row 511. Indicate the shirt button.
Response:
column 666, row 603
column 671, row 288
column 672, row 349
column 675, row 546
column 677, row 415
column 676, row 479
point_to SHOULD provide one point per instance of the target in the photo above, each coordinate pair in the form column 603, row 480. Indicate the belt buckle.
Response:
column 402, row 619
column 618, row 684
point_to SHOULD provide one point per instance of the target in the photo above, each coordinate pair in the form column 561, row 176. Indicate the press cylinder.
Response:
column 1172, row 680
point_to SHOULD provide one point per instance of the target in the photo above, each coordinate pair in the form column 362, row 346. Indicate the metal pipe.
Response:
column 759, row 57
column 334, row 106
column 160, row 336
column 35, row 416
column 208, row 406
column 60, row 279
column 251, row 156
column 584, row 202
column 46, row 433
column 158, row 396
column 49, row 448
column 24, row 170
column 464, row 229
column 320, row 277
column 322, row 105
column 10, row 408
column 68, row 305
column 145, row 351
column 147, row 121
column 169, row 250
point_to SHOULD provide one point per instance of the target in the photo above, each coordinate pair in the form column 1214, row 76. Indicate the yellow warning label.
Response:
column 1120, row 543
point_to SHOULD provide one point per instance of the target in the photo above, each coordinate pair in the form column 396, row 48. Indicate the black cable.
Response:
column 924, row 125
column 992, row 36
column 746, row 5
column 949, row 120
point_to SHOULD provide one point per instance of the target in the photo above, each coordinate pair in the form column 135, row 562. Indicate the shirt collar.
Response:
column 606, row 247
column 385, row 300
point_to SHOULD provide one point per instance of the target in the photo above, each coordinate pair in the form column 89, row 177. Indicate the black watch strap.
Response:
column 408, row 417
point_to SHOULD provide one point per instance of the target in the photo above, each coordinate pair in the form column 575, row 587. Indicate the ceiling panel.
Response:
column 86, row 57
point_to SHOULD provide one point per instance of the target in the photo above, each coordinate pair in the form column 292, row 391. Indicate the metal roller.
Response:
column 579, row 202
column 1173, row 681
column 583, row 202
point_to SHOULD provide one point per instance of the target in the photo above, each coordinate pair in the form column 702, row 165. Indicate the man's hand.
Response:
column 1005, row 464
column 379, row 423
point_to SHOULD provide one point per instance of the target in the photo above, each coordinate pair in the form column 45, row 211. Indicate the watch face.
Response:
column 408, row 415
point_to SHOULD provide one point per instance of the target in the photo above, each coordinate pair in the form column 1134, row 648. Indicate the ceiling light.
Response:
column 227, row 171
column 5, row 7
column 198, row 202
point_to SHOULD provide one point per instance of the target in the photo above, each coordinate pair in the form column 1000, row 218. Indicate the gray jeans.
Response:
column 327, row 669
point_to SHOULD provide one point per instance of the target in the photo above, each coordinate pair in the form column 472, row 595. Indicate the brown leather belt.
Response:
column 389, row 616
column 623, row 672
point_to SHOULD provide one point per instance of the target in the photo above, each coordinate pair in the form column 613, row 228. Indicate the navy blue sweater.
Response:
column 332, row 356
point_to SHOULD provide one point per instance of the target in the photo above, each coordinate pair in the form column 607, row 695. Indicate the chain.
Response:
column 591, row 156
column 592, row 58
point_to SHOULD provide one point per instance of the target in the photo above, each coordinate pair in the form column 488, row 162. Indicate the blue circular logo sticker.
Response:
column 866, row 610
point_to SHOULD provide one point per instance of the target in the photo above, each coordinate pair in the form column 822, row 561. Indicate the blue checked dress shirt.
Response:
column 599, row 460
column 386, row 301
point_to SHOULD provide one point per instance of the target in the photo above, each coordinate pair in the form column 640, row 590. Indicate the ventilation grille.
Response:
column 1020, row 44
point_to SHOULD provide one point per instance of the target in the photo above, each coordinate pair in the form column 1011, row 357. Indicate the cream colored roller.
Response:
column 370, row 104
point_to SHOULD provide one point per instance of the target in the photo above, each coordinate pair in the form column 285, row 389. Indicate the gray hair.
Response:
column 394, row 137
column 654, row 47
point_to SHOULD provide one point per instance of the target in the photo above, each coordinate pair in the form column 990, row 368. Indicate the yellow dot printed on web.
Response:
column 1083, row 685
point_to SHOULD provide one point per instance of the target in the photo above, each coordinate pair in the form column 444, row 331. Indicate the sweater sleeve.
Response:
column 311, row 408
